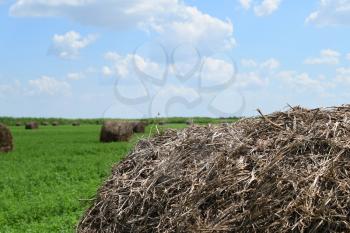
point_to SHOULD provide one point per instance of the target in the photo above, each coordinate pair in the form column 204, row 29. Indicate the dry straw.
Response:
column 6, row 143
column 284, row 172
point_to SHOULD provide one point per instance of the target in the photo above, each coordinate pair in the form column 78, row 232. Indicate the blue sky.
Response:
column 130, row 59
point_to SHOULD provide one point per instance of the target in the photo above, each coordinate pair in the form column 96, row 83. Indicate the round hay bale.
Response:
column 138, row 127
column 284, row 172
column 189, row 122
column 113, row 131
column 45, row 123
column 55, row 123
column 31, row 125
column 76, row 124
column 6, row 144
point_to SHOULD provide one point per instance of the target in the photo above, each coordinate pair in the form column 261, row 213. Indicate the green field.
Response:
column 47, row 181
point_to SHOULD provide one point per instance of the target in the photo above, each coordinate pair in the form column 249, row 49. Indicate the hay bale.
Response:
column 55, row 123
column 189, row 122
column 76, row 124
column 138, row 127
column 18, row 124
column 6, row 144
column 113, row 131
column 45, row 123
column 31, row 125
column 284, row 172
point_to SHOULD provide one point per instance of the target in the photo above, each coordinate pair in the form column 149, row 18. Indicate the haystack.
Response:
column 113, row 131
column 45, row 123
column 5, row 139
column 55, row 123
column 139, row 127
column 189, row 122
column 76, row 123
column 284, row 172
column 31, row 125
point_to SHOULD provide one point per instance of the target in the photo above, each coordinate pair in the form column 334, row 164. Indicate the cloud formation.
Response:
column 331, row 13
column 261, row 8
column 172, row 20
column 50, row 86
column 327, row 57
column 68, row 45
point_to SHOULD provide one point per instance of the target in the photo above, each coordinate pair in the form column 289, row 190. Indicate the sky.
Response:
column 134, row 58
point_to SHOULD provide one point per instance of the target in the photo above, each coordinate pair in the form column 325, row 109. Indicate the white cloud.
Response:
column 262, row 7
column 124, row 66
column 68, row 46
column 331, row 13
column 303, row 81
column 248, row 63
column 270, row 64
column 343, row 76
column 107, row 13
column 327, row 57
column 172, row 20
column 50, row 86
column 75, row 76
column 250, row 80
column 217, row 70
column 267, row 7
column 348, row 56
column 11, row 88
column 246, row 4
column 106, row 71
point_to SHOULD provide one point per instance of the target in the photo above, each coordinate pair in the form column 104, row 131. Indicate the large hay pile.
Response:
column 6, row 144
column 113, row 131
column 285, row 172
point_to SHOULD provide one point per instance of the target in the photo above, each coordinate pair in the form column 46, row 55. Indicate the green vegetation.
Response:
column 11, row 121
column 47, row 181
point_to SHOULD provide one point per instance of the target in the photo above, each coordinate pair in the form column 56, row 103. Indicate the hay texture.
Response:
column 139, row 127
column 284, row 172
column 113, row 131
column 31, row 125
column 6, row 144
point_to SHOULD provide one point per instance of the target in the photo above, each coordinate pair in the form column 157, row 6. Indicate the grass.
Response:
column 46, row 180
column 62, row 121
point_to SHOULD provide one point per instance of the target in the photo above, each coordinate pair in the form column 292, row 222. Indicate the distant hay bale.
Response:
column 284, row 172
column 6, row 143
column 55, row 123
column 76, row 124
column 45, row 123
column 189, row 122
column 18, row 124
column 139, row 127
column 113, row 131
column 31, row 125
